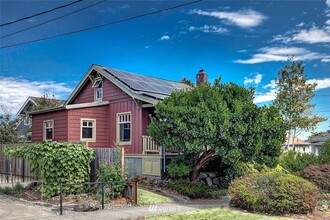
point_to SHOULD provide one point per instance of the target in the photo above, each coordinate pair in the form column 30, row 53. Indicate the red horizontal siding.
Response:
column 60, row 119
column 100, row 114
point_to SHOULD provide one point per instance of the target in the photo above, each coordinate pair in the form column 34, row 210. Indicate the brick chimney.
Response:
column 201, row 77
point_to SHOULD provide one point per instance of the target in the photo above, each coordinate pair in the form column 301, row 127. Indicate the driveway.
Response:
column 12, row 209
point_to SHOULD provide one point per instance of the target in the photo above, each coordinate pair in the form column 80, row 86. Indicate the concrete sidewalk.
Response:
column 11, row 209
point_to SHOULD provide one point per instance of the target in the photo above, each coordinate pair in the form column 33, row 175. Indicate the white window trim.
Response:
column 118, row 129
column 44, row 129
column 96, row 87
column 93, row 139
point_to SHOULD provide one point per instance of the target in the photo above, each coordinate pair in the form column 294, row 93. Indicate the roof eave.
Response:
column 47, row 110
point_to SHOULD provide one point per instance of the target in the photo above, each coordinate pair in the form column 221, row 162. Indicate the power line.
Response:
column 40, row 13
column 54, row 19
column 103, row 25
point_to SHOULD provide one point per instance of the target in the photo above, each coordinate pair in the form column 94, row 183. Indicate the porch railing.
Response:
column 150, row 146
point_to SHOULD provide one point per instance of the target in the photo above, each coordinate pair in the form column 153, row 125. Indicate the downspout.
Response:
column 164, row 161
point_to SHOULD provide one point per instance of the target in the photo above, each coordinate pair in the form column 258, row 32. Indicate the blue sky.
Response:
column 245, row 42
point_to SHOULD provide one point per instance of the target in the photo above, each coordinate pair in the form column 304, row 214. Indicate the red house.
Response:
column 110, row 107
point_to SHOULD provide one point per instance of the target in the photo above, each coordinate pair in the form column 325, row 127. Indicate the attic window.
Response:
column 98, row 89
column 97, row 82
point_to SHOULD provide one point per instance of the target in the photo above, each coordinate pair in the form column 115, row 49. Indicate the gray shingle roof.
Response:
column 320, row 138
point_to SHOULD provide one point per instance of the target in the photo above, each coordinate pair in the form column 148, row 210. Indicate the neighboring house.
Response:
column 24, row 124
column 111, row 107
column 318, row 141
column 298, row 145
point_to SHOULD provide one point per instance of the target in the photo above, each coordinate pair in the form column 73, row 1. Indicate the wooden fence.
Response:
column 106, row 155
column 13, row 170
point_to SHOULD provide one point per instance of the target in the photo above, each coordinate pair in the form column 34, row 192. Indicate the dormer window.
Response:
column 98, row 89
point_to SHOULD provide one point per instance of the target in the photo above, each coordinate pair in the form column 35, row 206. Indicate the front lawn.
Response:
column 149, row 198
column 215, row 213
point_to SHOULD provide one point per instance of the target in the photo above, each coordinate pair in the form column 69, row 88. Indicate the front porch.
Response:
column 151, row 147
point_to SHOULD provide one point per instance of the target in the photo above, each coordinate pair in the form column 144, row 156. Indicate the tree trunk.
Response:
column 288, row 141
column 294, row 134
column 201, row 162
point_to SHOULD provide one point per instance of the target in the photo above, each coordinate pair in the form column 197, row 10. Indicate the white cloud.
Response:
column 265, row 97
column 14, row 91
column 310, row 36
column 321, row 83
column 326, row 60
column 243, row 18
column 328, row 3
column 271, row 85
column 327, row 22
column 165, row 37
column 209, row 29
column 300, row 24
column 271, row 94
column 276, row 54
column 256, row 79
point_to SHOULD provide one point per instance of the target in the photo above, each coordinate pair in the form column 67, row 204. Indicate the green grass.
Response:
column 215, row 213
column 149, row 198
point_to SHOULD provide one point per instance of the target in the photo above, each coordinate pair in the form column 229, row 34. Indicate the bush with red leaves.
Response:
column 318, row 174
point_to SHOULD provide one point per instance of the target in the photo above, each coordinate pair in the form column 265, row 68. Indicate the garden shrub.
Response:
column 318, row 174
column 56, row 162
column 112, row 173
column 195, row 190
column 241, row 169
column 275, row 193
column 180, row 167
column 294, row 161
column 18, row 187
column 324, row 154
column 6, row 190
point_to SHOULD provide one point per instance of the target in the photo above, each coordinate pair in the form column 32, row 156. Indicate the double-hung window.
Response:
column 48, row 130
column 88, row 129
column 124, row 128
column 98, row 89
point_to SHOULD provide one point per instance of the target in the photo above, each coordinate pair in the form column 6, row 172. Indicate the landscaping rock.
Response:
column 324, row 208
column 87, row 206
column 216, row 181
column 212, row 175
column 209, row 181
column 202, row 176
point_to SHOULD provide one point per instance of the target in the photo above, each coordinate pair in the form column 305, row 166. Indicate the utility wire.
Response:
column 103, row 25
column 54, row 19
column 40, row 13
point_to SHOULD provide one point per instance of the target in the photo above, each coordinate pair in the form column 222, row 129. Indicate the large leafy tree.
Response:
column 219, row 121
column 293, row 99
column 7, row 128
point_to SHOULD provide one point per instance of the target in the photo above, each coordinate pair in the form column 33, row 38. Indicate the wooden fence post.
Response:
column 122, row 156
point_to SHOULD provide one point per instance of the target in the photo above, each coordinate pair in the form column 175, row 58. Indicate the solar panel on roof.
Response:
column 142, row 83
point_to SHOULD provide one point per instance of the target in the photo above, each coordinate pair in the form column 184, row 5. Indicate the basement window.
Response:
column 124, row 128
column 88, row 129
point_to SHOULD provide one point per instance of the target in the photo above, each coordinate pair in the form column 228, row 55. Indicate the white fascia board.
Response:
column 86, row 105
column 80, row 85
column 20, row 111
